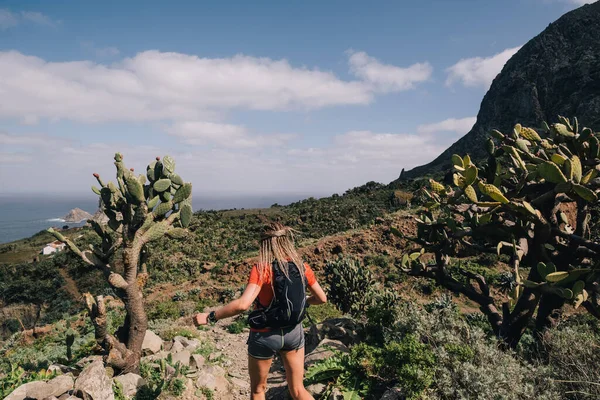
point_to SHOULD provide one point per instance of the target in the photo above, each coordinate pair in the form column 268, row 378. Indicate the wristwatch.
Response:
column 212, row 318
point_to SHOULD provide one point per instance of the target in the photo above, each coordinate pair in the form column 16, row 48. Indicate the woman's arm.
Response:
column 318, row 296
column 233, row 308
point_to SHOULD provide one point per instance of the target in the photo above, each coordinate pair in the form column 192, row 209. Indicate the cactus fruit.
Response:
column 162, row 184
column 493, row 192
column 96, row 190
column 182, row 193
column 185, row 214
column 530, row 134
column 550, row 172
column 470, row 193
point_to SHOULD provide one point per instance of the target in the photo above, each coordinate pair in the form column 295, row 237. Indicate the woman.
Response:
column 277, row 258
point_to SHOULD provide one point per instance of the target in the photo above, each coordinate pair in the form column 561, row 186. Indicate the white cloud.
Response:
column 38, row 18
column 155, row 86
column 457, row 125
column 348, row 160
column 385, row 77
column 223, row 135
column 479, row 71
column 22, row 140
column 9, row 19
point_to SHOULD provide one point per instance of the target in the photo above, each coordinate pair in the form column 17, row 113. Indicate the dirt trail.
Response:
column 233, row 350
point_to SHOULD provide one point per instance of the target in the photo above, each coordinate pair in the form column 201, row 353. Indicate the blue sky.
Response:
column 249, row 97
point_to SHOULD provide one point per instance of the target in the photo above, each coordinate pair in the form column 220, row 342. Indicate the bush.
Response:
column 164, row 310
column 350, row 285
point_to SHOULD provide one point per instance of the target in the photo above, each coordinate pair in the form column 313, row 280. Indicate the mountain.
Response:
column 555, row 73
column 77, row 215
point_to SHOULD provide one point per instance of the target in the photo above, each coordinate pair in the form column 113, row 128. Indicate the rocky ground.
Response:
column 216, row 361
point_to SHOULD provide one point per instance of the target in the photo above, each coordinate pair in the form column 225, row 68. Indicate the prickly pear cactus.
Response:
column 517, row 203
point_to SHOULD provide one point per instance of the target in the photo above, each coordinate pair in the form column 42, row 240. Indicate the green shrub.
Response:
column 238, row 325
column 350, row 285
column 164, row 310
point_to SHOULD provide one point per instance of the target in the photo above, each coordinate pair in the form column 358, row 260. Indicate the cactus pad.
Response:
column 182, row 193
column 162, row 185
column 550, row 172
column 493, row 192
column 185, row 214
column 530, row 134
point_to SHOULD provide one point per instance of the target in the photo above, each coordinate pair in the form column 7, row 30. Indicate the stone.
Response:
column 207, row 380
column 240, row 383
column 316, row 389
column 392, row 394
column 214, row 356
column 176, row 347
column 158, row 356
column 60, row 369
column 93, row 383
column 130, row 383
column 197, row 361
column 215, row 370
column 182, row 357
column 555, row 73
column 84, row 362
column 152, row 343
column 41, row 390
column 324, row 350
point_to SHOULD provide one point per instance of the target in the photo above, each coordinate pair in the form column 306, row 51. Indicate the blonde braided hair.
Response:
column 277, row 244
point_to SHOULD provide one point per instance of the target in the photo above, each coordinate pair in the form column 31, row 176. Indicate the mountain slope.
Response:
column 555, row 73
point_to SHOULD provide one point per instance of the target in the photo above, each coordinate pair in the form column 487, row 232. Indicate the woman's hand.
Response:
column 201, row 319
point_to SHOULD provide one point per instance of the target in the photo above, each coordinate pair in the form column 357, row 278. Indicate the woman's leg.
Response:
column 259, row 370
column 293, row 360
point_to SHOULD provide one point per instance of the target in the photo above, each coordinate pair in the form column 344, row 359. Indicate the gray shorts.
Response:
column 264, row 345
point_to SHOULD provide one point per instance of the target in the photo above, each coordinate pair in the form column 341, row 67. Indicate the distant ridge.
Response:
column 555, row 73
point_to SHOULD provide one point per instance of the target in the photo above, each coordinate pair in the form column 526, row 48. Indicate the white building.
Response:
column 53, row 247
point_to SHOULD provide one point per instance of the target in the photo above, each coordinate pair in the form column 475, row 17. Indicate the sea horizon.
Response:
column 25, row 214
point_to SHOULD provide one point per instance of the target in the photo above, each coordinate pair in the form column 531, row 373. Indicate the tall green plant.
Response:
column 140, row 209
column 531, row 200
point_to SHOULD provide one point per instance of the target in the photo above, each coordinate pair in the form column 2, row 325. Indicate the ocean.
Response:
column 22, row 215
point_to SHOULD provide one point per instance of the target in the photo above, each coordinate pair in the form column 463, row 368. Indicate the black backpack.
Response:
column 288, row 307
